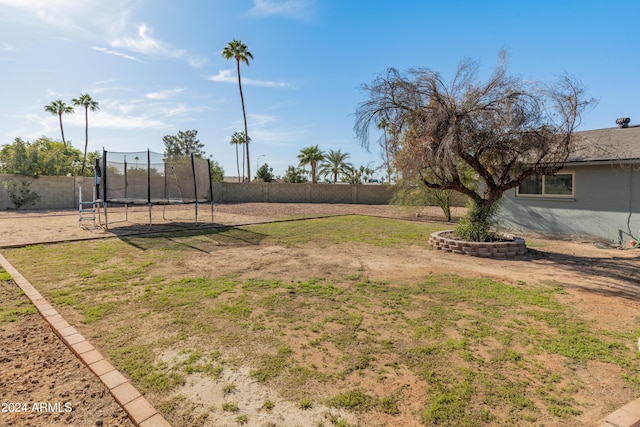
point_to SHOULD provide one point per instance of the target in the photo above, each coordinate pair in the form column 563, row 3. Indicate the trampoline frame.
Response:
column 102, row 188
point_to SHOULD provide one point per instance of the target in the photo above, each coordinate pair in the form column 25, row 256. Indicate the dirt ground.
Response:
column 604, row 281
column 44, row 384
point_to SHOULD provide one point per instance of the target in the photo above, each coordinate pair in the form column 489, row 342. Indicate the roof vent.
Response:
column 623, row 122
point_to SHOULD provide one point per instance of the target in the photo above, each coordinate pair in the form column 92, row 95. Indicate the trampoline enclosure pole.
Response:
column 195, row 184
column 126, row 184
column 210, row 187
column 149, row 184
column 97, row 174
column 104, row 188
column 148, row 176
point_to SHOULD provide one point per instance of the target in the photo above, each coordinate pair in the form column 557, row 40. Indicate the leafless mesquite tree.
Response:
column 505, row 129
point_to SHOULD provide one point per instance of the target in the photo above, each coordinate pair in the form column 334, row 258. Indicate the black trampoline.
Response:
column 148, row 178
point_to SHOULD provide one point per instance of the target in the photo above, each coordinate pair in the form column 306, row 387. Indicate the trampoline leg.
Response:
column 106, row 219
column 150, row 221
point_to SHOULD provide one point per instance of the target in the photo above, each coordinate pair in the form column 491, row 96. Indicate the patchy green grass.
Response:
column 379, row 232
column 534, row 244
column 140, row 363
column 4, row 276
column 305, row 404
column 355, row 400
column 474, row 347
column 230, row 407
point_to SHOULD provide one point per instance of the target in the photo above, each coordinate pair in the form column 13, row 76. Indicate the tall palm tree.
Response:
column 238, row 138
column 238, row 50
column 335, row 163
column 384, row 124
column 311, row 156
column 88, row 103
column 58, row 107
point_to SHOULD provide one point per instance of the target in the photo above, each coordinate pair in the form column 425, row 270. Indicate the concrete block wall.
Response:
column 56, row 192
column 332, row 193
column 282, row 193
column 61, row 192
column 375, row 194
column 231, row 192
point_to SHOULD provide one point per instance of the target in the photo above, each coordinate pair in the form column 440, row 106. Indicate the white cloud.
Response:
column 99, row 22
column 106, row 120
column 31, row 126
column 228, row 76
column 4, row 47
column 268, row 130
column 143, row 42
column 297, row 9
column 225, row 76
column 114, row 114
column 139, row 114
column 279, row 137
column 101, row 87
column 8, row 49
column 260, row 120
column 69, row 16
column 163, row 94
column 113, row 52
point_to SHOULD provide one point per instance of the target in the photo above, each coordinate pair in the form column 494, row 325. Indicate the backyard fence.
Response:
column 61, row 192
column 228, row 192
column 55, row 192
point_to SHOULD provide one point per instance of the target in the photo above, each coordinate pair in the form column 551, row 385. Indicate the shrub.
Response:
column 476, row 224
column 20, row 194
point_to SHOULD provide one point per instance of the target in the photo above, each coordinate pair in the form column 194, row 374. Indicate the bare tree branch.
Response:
column 505, row 129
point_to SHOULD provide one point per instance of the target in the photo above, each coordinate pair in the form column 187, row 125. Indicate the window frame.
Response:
column 543, row 195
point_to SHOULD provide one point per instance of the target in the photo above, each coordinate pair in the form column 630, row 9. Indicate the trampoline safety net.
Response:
column 149, row 178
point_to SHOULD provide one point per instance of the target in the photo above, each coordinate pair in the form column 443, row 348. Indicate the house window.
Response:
column 559, row 185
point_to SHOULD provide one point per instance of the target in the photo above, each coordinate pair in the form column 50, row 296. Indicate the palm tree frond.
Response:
column 58, row 108
column 334, row 163
column 311, row 156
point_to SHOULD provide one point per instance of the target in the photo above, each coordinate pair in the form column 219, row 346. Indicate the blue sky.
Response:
column 155, row 66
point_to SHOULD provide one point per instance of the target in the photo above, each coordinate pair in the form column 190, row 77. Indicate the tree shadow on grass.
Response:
column 206, row 240
column 613, row 276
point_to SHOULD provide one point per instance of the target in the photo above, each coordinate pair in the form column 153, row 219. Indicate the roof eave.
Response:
column 602, row 162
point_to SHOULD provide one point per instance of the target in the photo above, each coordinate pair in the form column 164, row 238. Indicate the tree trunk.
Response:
column 244, row 156
column 480, row 216
column 246, row 133
column 237, row 162
column 386, row 152
column 62, row 130
column 443, row 200
column 86, row 138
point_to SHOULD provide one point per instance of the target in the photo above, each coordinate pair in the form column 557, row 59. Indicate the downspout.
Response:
column 630, row 202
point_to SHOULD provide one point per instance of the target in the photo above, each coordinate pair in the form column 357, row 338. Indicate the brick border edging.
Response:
column 627, row 416
column 140, row 411
column 509, row 249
